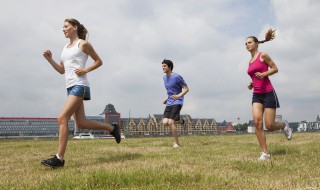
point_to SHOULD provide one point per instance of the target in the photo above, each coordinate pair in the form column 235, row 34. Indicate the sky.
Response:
column 205, row 39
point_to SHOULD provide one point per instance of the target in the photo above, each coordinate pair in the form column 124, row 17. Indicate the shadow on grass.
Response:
column 279, row 152
column 119, row 157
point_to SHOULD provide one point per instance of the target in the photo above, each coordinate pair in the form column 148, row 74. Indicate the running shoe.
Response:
column 175, row 145
column 264, row 156
column 287, row 130
column 183, row 122
column 53, row 162
column 116, row 132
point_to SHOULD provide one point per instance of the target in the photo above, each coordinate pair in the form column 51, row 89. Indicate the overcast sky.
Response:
column 204, row 38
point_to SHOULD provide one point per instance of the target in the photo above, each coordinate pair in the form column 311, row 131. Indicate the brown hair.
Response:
column 82, row 31
column 270, row 35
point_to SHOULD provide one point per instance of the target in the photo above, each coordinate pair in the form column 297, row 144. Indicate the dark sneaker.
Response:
column 53, row 162
column 183, row 122
column 116, row 132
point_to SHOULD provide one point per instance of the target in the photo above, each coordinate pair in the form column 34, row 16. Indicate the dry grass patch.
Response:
column 202, row 162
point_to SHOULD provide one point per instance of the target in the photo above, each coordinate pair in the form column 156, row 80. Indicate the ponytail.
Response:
column 270, row 35
column 81, row 30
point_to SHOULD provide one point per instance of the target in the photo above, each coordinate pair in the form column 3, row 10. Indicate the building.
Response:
column 131, row 127
column 29, row 126
column 312, row 126
column 152, row 126
column 111, row 115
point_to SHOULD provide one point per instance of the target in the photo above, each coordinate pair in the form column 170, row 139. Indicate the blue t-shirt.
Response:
column 174, row 84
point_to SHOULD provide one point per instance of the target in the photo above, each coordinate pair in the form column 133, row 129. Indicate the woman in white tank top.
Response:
column 73, row 64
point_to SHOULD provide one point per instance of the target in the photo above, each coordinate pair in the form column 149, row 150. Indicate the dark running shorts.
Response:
column 268, row 99
column 79, row 90
column 172, row 112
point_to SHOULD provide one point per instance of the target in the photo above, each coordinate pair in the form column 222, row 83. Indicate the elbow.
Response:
column 100, row 62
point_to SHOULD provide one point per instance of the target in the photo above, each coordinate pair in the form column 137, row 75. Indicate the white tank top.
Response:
column 73, row 58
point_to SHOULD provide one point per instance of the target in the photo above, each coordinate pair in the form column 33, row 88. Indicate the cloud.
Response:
column 204, row 39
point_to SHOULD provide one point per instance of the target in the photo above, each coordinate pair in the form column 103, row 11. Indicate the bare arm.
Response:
column 58, row 67
column 185, row 90
column 88, row 49
column 273, row 67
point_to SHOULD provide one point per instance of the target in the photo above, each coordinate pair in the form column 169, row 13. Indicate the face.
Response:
column 69, row 30
column 251, row 45
column 165, row 68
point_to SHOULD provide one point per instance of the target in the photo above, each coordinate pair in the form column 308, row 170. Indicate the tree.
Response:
column 242, row 127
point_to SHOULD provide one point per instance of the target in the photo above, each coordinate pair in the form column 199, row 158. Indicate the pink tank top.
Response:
column 259, row 85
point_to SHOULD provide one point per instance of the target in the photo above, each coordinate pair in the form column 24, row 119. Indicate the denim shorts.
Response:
column 79, row 90
column 269, row 99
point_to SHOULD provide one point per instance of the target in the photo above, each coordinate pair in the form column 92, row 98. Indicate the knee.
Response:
column 165, row 122
column 258, row 123
column 62, row 120
column 80, row 124
column 269, row 126
column 171, row 122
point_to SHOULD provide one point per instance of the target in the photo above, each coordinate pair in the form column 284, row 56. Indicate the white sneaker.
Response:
column 264, row 156
column 287, row 130
column 175, row 145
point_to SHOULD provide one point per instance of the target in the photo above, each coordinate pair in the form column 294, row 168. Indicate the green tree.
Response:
column 242, row 127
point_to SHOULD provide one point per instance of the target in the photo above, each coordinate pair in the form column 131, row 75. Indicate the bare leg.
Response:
column 83, row 123
column 74, row 105
column 174, row 131
column 171, row 123
column 257, row 111
column 271, row 124
column 71, row 105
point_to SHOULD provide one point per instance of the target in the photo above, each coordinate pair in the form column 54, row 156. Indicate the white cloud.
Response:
column 204, row 39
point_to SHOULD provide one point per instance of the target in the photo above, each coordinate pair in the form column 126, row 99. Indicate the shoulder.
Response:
column 85, row 46
column 84, row 43
column 176, row 75
column 264, row 56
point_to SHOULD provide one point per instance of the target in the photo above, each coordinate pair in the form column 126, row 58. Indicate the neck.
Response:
column 169, row 73
column 254, row 53
column 73, row 39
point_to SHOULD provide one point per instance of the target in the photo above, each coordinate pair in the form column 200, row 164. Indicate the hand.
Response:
column 175, row 97
column 80, row 72
column 250, row 86
column 47, row 54
column 259, row 75
column 165, row 102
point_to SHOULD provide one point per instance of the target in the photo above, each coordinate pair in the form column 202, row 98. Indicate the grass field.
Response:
column 202, row 162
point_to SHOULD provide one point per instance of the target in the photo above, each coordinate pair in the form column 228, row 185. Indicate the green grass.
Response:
column 202, row 162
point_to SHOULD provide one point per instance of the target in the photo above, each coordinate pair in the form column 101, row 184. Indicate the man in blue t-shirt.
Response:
column 176, row 89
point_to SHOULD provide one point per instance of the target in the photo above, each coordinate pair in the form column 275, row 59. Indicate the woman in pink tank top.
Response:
column 264, row 99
